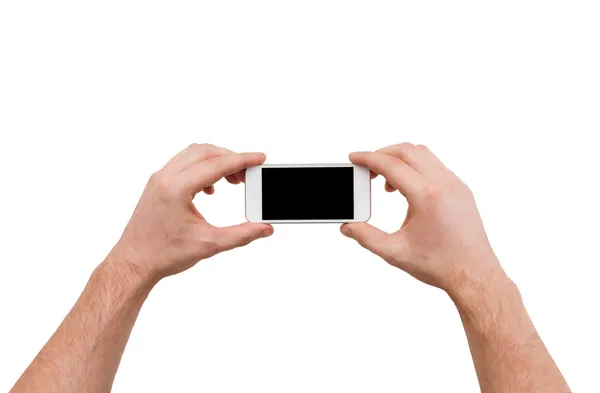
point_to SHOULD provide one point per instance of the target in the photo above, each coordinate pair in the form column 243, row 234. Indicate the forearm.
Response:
column 508, row 353
column 85, row 351
column 165, row 235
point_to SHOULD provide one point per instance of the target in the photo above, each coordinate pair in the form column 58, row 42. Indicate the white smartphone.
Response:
column 308, row 193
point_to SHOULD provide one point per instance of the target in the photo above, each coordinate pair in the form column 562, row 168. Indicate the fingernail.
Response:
column 266, row 233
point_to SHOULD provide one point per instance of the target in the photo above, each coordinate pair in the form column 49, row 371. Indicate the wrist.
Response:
column 486, row 283
column 490, row 293
column 112, row 291
column 122, row 273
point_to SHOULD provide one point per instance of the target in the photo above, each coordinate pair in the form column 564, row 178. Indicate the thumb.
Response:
column 241, row 235
column 371, row 238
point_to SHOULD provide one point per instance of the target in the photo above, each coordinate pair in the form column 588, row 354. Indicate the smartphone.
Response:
column 308, row 193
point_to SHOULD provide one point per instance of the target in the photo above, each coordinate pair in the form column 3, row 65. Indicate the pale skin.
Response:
column 442, row 242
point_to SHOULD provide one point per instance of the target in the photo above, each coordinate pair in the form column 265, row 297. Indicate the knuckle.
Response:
column 207, row 146
column 458, row 187
column 405, row 148
column 244, row 240
column 364, row 243
column 220, row 165
column 396, row 253
column 398, row 147
column 467, row 190
column 161, row 185
column 362, row 239
column 400, row 151
column 383, row 164
column 201, row 147
column 157, row 179
column 433, row 194
column 391, row 258
column 208, row 243
column 193, row 147
column 403, row 151
column 235, row 163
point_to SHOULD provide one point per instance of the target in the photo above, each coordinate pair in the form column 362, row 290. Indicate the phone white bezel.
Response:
column 362, row 193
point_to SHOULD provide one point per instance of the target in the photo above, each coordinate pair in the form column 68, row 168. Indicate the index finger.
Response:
column 194, row 153
column 404, row 178
column 206, row 173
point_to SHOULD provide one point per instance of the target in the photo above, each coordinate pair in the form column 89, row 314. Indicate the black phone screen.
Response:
column 308, row 193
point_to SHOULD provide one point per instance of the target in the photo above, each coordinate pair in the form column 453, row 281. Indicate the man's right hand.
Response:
column 442, row 241
column 166, row 234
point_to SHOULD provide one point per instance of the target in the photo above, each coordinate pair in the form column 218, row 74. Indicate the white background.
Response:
column 95, row 96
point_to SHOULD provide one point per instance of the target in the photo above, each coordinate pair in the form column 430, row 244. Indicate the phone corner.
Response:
column 251, row 218
column 366, row 219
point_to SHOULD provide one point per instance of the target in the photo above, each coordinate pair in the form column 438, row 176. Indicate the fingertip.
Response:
column 260, row 229
column 351, row 229
column 345, row 230
column 253, row 154
column 360, row 157
column 262, row 157
column 253, row 159
column 268, row 231
column 354, row 155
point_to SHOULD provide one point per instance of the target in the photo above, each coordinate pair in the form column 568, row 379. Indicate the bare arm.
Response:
column 508, row 353
column 443, row 243
column 166, row 235
column 85, row 351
